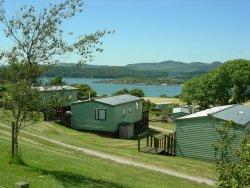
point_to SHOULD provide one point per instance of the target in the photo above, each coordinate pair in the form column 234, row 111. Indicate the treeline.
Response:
column 144, row 80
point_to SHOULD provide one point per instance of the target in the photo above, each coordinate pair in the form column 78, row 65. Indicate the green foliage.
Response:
column 147, row 105
column 57, row 81
column 137, row 92
column 121, row 92
column 163, row 96
column 85, row 91
column 232, row 163
column 226, row 84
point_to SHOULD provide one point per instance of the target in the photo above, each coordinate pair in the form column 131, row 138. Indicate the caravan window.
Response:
column 136, row 106
column 124, row 111
column 130, row 109
column 100, row 114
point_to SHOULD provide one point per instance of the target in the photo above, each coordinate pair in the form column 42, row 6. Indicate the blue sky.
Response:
column 158, row 30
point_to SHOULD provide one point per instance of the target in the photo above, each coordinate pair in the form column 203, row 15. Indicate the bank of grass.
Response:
column 168, row 127
column 119, row 147
column 45, row 166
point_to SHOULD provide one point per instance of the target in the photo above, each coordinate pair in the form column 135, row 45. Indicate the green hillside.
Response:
column 47, row 164
column 171, row 69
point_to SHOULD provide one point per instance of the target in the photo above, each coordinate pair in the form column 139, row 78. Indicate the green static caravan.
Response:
column 66, row 94
column 196, row 133
column 106, row 114
column 180, row 112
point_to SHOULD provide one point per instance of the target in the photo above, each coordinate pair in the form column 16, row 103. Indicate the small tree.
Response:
column 23, row 104
column 57, row 81
column 121, row 92
column 232, row 164
column 84, row 91
column 37, row 39
column 137, row 92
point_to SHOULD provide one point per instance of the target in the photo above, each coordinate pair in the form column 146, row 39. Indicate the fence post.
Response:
column 147, row 139
column 165, row 144
column 174, row 143
column 139, row 144
column 151, row 141
column 156, row 142
column 168, row 144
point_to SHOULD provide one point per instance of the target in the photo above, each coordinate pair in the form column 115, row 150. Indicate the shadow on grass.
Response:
column 69, row 179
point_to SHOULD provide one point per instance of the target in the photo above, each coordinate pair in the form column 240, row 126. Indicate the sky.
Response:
column 159, row 30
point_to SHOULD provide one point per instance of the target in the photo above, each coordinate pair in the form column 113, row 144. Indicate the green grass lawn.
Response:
column 169, row 127
column 123, row 148
column 52, row 166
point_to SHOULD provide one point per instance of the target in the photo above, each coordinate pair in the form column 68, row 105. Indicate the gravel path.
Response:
column 125, row 161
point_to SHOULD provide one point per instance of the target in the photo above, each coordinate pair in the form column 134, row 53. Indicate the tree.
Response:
column 23, row 104
column 85, row 91
column 37, row 38
column 239, row 72
column 147, row 105
column 227, row 84
column 232, row 163
column 190, row 91
column 57, row 81
column 164, row 96
column 121, row 92
column 137, row 92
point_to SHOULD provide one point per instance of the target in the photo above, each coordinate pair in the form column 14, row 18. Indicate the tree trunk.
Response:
column 14, row 146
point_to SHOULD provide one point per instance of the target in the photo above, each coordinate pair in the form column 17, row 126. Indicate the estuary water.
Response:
column 107, row 88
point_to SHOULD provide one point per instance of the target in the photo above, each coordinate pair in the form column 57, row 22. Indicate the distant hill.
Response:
column 172, row 69
column 175, row 67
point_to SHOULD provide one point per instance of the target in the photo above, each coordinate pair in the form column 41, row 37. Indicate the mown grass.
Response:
column 169, row 127
column 123, row 148
column 47, row 166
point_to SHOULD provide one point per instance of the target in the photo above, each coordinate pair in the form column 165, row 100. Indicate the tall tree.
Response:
column 37, row 38
column 227, row 84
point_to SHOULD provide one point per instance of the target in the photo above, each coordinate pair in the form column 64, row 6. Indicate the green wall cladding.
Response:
column 195, row 137
column 83, row 115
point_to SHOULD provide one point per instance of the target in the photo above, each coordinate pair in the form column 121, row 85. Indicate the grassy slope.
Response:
column 167, row 126
column 124, row 148
column 46, row 166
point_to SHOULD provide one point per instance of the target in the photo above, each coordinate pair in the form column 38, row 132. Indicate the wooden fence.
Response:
column 163, row 144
